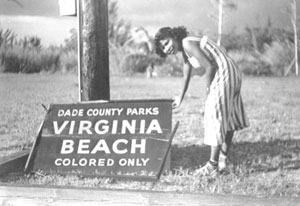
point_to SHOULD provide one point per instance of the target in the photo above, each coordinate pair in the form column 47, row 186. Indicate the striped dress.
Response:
column 224, row 109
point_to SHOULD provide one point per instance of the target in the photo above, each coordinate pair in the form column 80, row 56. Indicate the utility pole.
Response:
column 93, row 50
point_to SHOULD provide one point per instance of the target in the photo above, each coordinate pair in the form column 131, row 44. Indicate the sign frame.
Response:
column 166, row 157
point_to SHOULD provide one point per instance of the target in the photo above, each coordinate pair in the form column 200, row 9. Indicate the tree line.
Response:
column 258, row 50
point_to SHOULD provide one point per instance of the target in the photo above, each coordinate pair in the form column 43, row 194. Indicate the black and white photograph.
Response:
column 149, row 102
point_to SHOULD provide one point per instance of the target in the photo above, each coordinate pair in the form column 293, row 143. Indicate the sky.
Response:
column 41, row 17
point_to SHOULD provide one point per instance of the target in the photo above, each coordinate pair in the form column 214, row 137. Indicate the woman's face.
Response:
column 169, row 46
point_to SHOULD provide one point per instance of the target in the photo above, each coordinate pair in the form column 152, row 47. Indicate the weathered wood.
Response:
column 167, row 155
column 31, row 156
column 93, row 45
column 13, row 195
column 14, row 162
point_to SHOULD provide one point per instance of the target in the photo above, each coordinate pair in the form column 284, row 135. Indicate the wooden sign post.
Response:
column 93, row 54
column 93, row 50
column 114, row 139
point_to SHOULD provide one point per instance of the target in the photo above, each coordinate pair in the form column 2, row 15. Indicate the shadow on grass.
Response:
column 250, row 156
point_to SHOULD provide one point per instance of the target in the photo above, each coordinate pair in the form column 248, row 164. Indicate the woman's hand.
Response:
column 176, row 102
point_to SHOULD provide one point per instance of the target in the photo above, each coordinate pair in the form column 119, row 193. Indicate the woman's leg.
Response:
column 214, row 153
column 226, row 145
column 215, row 150
column 225, row 150
column 211, row 167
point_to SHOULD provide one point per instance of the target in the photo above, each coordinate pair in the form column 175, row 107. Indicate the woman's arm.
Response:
column 192, row 47
column 187, row 70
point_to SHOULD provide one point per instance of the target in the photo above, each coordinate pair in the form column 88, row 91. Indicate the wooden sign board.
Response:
column 67, row 7
column 118, row 138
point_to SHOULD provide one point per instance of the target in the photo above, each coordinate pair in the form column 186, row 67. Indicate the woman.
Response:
column 224, row 110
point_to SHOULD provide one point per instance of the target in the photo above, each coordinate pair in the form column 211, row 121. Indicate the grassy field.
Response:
column 265, row 158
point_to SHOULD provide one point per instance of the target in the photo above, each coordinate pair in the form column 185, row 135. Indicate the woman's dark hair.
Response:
column 177, row 33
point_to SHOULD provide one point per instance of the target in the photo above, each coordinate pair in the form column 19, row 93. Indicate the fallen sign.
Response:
column 128, row 139
column 13, row 163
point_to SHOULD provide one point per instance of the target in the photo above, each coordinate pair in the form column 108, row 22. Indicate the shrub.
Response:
column 171, row 66
column 68, row 61
column 250, row 63
column 233, row 41
column 29, row 42
column 116, row 55
column 7, row 38
column 135, row 63
column 27, row 60
column 8, row 61
column 278, row 56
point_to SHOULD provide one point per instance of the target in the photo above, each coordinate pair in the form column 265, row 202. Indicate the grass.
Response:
column 265, row 158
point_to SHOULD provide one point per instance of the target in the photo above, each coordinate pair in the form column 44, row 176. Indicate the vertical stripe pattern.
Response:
column 224, row 109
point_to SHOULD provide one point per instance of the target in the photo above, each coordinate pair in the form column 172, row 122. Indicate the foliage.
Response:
column 233, row 41
column 26, row 55
column 29, row 42
column 278, row 56
column 250, row 63
column 135, row 63
column 171, row 66
column 68, row 61
column 28, row 60
column 120, row 44
column 118, row 28
column 259, row 50
column 71, row 42
column 260, row 36
column 7, row 38
column 275, row 60
column 130, row 48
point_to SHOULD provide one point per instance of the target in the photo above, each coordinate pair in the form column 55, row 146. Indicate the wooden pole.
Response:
column 93, row 50
column 79, row 49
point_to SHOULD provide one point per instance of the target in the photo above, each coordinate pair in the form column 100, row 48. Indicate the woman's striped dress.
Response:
column 224, row 109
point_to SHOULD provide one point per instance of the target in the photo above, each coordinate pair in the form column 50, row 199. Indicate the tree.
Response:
column 260, row 36
column 17, row 2
column 140, row 57
column 71, row 42
column 293, row 16
column 118, row 28
column 222, row 6
column 132, row 48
